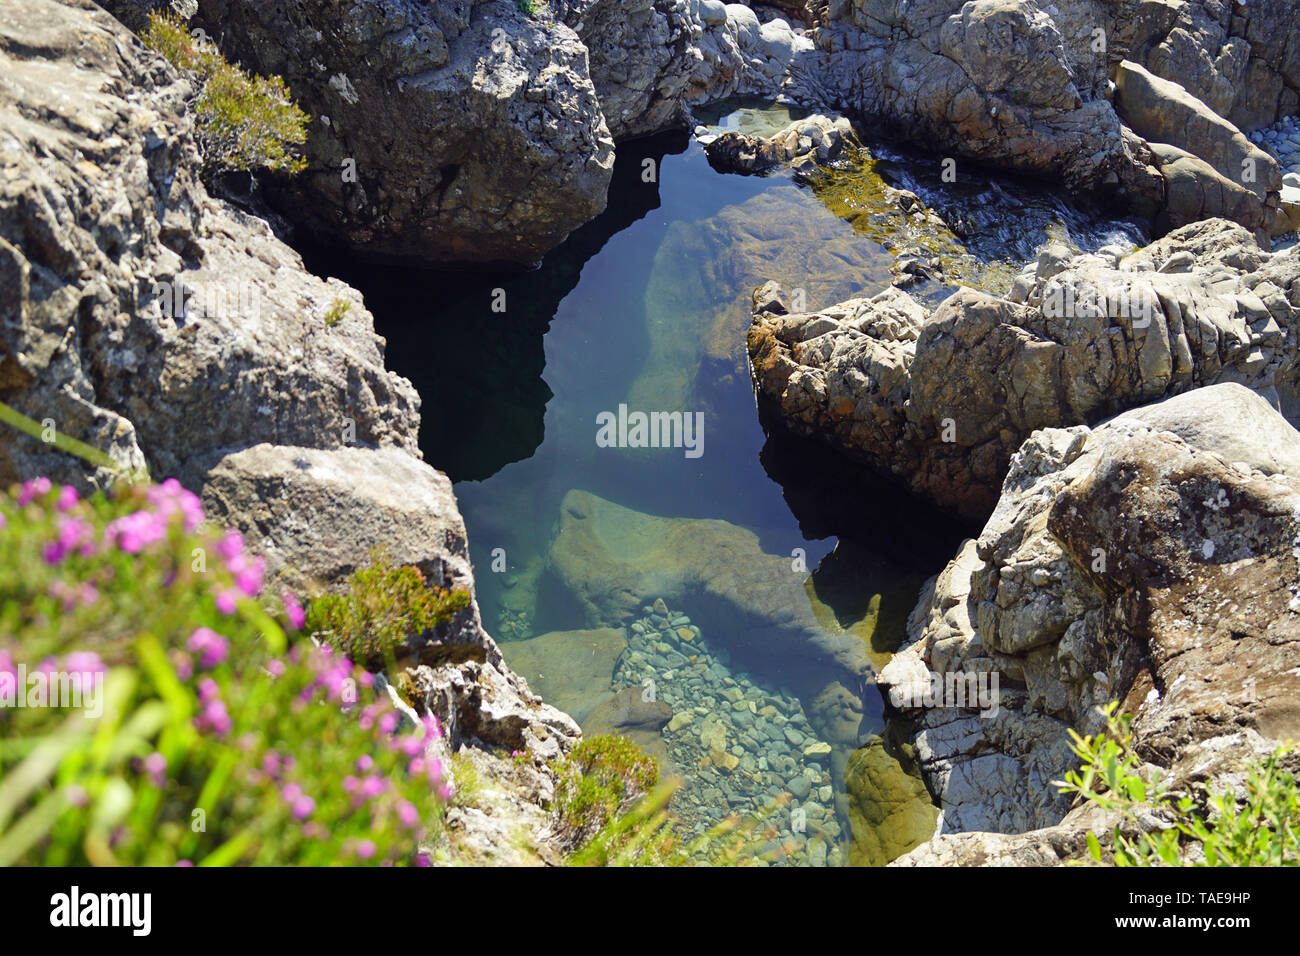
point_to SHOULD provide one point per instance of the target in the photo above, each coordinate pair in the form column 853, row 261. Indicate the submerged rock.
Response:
column 570, row 669
column 889, row 808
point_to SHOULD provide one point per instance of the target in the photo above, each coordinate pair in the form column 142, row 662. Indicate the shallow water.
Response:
column 647, row 307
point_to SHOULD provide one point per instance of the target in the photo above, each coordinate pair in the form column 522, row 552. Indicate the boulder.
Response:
column 816, row 138
column 1123, row 563
column 940, row 400
column 570, row 669
column 474, row 129
column 136, row 313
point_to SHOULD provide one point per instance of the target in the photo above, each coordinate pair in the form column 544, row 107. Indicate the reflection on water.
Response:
column 756, row 588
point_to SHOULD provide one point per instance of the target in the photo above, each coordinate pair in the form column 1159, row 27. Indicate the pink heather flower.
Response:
column 314, row 831
column 445, row 792
column 422, row 859
column 412, row 745
column 304, row 807
column 35, row 488
column 209, row 645
column 291, row 792
column 407, row 813
column 184, row 665
column 67, row 498
column 136, row 531
column 293, row 610
column 227, row 601
column 155, row 765
column 431, row 726
column 271, row 764
column 214, row 718
column 364, row 763
column 276, row 668
column 3, row 520
column 365, row 849
column 8, row 672
column 208, row 690
column 83, row 667
column 169, row 499
column 230, row 546
column 388, row 722
column 435, row 772
column 373, row 787
column 366, row 679
column 183, row 863
column 73, row 533
column 88, row 593
column 248, row 573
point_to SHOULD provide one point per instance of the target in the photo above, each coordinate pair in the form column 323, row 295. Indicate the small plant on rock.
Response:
column 384, row 605
column 241, row 122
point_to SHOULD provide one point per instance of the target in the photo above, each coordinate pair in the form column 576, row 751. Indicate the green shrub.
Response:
column 1263, row 829
column 196, row 733
column 241, row 122
column 601, row 776
column 383, row 606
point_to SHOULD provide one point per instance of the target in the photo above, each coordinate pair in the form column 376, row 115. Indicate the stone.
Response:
column 569, row 669
column 939, row 401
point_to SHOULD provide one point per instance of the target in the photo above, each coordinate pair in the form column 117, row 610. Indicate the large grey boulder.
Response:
column 474, row 129
column 1122, row 563
column 136, row 313
column 939, row 401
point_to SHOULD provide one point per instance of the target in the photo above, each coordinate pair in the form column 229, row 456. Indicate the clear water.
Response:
column 647, row 307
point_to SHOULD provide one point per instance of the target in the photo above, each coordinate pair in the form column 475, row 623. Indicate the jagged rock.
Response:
column 475, row 130
column 1122, row 563
column 136, row 313
column 1000, row 81
column 816, row 138
column 940, row 401
column 1240, row 59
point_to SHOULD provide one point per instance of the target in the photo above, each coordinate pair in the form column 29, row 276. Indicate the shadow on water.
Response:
column 483, row 390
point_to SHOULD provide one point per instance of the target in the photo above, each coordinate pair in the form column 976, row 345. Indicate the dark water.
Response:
column 647, row 307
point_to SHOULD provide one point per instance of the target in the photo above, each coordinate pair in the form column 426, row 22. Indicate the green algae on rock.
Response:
column 890, row 810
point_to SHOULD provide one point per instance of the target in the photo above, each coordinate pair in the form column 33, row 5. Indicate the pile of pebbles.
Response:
column 739, row 745
column 1282, row 142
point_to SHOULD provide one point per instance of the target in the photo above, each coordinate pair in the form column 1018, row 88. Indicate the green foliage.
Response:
column 527, row 7
column 601, row 776
column 242, row 122
column 337, row 310
column 1263, row 829
column 199, row 735
column 383, row 606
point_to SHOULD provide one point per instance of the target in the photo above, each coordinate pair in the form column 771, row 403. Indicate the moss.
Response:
column 335, row 313
column 242, row 122
column 382, row 607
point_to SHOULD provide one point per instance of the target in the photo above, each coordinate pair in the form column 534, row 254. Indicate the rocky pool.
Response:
column 721, row 592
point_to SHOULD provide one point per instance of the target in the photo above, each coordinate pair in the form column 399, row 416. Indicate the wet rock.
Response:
column 816, row 138
column 569, row 669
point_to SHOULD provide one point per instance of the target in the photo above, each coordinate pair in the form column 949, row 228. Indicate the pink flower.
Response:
column 388, row 722
column 364, row 763
column 169, row 499
column 293, row 610
column 230, row 546
column 445, row 792
column 291, row 792
column 183, row 863
column 227, row 601
column 73, row 533
column 209, row 645
column 276, row 668
column 365, row 849
column 407, row 813
column 36, row 487
column 67, row 498
column 208, row 690
column 303, row 807
column 155, row 765
column 422, row 859
column 136, row 531
column 214, row 718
